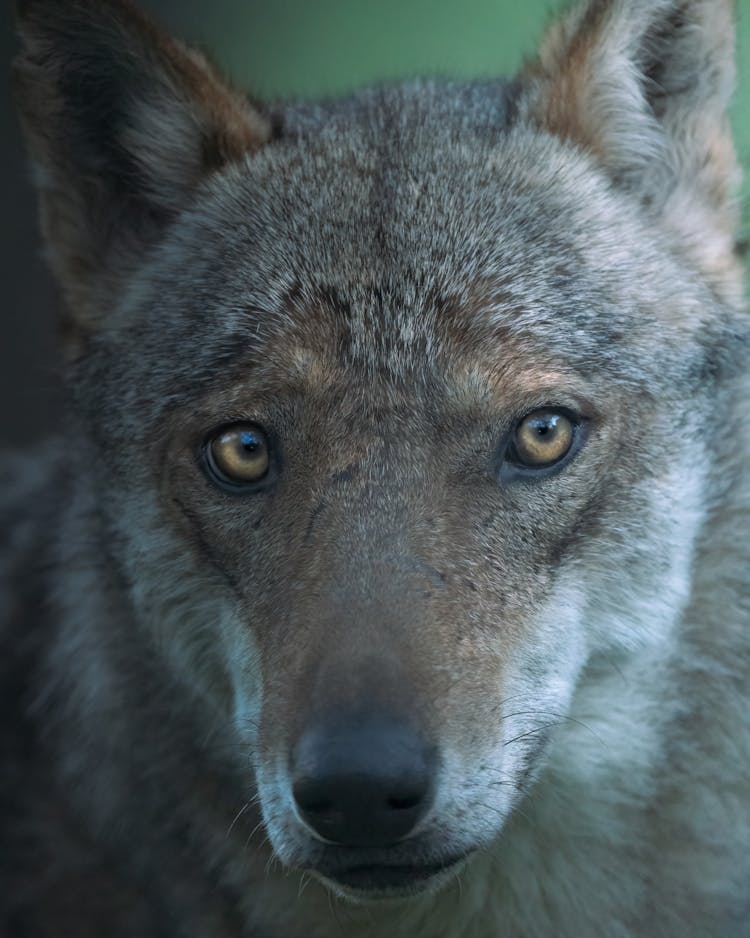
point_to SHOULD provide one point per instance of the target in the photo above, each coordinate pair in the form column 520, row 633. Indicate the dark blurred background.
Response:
column 274, row 48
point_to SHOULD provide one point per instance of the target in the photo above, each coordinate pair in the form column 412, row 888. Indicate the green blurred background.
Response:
column 275, row 48
column 326, row 47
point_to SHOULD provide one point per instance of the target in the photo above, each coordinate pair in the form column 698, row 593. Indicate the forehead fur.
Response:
column 408, row 215
column 413, row 218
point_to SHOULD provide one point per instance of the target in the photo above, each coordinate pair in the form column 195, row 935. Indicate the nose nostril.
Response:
column 318, row 807
column 311, row 799
column 407, row 803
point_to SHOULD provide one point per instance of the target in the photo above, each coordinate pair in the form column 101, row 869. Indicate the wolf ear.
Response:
column 643, row 86
column 123, row 123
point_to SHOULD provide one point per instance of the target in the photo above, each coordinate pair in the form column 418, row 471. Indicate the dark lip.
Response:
column 389, row 879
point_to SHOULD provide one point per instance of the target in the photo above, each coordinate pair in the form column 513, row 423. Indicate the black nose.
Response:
column 364, row 783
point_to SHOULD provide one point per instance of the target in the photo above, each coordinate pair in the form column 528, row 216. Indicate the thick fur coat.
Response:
column 384, row 290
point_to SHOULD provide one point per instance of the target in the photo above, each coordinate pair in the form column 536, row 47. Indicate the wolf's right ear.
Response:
column 643, row 86
column 123, row 122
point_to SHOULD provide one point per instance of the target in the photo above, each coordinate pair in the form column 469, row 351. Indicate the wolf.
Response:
column 388, row 574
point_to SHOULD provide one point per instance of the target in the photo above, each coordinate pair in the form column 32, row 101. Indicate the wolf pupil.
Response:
column 250, row 443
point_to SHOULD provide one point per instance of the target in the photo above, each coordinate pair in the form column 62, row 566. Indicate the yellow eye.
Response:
column 542, row 438
column 238, row 455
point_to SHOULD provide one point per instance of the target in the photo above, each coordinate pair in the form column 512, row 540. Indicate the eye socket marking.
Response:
column 238, row 456
column 542, row 442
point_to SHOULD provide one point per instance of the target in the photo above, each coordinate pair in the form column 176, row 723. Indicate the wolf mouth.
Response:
column 389, row 880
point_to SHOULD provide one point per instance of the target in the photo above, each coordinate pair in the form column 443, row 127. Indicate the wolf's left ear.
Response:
column 643, row 86
column 123, row 123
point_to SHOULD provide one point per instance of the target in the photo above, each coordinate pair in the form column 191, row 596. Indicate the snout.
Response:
column 365, row 781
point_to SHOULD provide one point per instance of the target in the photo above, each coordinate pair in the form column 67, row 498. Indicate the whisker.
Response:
column 237, row 816
column 253, row 833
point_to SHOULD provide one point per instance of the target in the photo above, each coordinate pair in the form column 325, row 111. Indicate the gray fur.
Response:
column 388, row 283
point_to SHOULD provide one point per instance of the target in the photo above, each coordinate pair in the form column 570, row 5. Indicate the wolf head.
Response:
column 400, row 409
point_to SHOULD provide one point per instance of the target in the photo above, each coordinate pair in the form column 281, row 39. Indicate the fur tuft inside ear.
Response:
column 123, row 122
column 644, row 86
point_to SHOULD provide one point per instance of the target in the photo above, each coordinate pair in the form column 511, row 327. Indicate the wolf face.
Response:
column 400, row 411
column 397, row 564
